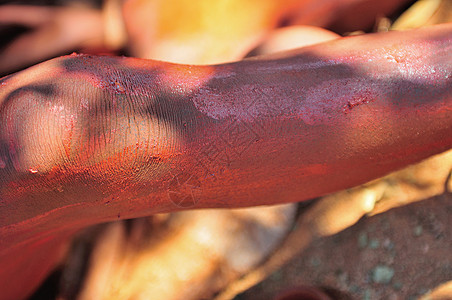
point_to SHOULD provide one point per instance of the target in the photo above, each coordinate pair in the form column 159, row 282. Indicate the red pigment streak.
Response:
column 67, row 142
column 357, row 100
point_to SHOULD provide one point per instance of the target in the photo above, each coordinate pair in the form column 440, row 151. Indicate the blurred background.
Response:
column 388, row 239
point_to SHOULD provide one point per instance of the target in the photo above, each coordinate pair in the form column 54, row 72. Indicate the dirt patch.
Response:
column 401, row 254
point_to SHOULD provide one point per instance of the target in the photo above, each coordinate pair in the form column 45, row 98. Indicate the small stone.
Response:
column 367, row 295
column 418, row 230
column 362, row 240
column 397, row 286
column 388, row 244
column 374, row 244
column 354, row 288
column 382, row 274
column 315, row 262
column 342, row 278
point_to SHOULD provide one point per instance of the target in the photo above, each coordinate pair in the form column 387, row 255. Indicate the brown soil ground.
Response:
column 403, row 253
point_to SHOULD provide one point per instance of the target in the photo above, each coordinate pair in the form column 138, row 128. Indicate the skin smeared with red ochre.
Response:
column 86, row 139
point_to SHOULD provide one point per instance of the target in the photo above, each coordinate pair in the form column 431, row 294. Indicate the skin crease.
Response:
column 87, row 139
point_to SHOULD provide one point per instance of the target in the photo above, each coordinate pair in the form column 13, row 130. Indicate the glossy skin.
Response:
column 85, row 140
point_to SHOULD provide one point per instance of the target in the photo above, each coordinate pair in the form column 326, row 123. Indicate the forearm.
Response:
column 115, row 137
